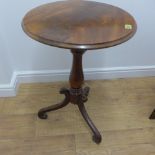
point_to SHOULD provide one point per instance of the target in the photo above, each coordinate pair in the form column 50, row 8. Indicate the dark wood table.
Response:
column 78, row 26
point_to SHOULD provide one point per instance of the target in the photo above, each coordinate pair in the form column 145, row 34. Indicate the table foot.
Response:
column 152, row 115
column 96, row 134
column 42, row 113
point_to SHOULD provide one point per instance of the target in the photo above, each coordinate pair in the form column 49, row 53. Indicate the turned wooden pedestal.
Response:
column 76, row 94
column 78, row 26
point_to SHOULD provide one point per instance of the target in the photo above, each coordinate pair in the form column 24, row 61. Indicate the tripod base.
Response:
column 78, row 97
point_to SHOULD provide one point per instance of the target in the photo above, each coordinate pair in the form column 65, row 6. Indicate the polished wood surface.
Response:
column 77, row 76
column 120, row 111
column 79, row 24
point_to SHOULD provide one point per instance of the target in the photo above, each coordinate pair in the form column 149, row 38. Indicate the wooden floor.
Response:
column 119, row 108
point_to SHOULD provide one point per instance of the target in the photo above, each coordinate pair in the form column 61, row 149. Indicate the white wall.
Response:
column 28, row 57
column 6, row 69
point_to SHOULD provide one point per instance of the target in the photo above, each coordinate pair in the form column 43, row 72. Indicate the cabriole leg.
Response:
column 42, row 113
column 96, row 134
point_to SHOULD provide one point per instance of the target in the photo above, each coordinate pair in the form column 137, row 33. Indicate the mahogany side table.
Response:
column 78, row 26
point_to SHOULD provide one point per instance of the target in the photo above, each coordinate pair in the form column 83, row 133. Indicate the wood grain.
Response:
column 17, row 126
column 38, row 146
column 115, row 140
column 120, row 109
column 79, row 24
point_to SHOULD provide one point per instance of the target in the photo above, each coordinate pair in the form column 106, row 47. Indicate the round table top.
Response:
column 79, row 25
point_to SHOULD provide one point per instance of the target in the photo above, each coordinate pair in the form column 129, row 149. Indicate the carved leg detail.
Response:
column 85, row 94
column 42, row 113
column 86, row 91
column 97, row 136
column 152, row 115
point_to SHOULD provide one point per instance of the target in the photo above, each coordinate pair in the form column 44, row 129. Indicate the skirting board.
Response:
column 63, row 75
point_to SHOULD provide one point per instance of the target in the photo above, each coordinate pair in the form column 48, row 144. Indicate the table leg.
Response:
column 42, row 113
column 152, row 115
column 97, row 136
column 76, row 94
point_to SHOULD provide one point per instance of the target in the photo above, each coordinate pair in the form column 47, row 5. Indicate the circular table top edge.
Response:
column 81, row 46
